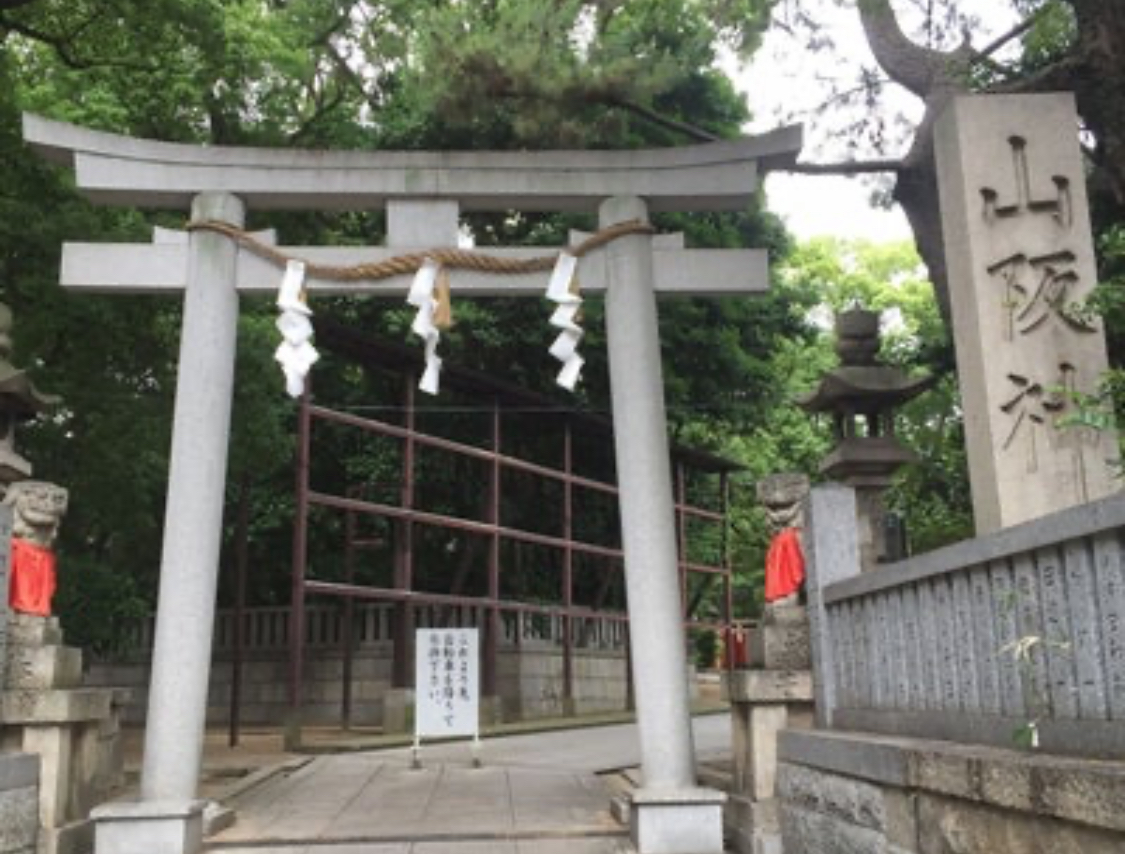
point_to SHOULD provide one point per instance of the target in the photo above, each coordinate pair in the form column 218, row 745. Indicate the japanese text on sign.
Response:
column 447, row 682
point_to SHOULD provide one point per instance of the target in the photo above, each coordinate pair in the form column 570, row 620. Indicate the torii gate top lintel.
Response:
column 115, row 169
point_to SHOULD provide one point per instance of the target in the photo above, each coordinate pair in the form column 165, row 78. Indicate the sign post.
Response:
column 446, row 687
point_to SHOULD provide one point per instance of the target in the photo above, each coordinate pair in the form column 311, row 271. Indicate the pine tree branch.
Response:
column 690, row 131
column 849, row 167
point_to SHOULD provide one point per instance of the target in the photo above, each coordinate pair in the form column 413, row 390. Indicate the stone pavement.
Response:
column 535, row 793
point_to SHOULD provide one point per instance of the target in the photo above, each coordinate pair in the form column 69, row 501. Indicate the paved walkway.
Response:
column 535, row 794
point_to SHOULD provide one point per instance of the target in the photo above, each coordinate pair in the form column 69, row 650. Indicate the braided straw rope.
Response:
column 462, row 259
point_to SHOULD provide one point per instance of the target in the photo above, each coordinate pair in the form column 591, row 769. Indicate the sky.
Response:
column 788, row 83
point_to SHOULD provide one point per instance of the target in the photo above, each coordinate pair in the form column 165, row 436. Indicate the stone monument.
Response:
column 43, row 708
column 1021, row 261
column 776, row 692
column 861, row 395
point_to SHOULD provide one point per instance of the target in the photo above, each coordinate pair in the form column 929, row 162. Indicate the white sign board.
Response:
column 446, row 683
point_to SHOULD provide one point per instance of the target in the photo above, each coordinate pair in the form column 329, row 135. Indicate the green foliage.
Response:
column 933, row 493
column 102, row 604
column 337, row 74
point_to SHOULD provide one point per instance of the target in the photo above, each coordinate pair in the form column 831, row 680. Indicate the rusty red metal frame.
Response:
column 406, row 516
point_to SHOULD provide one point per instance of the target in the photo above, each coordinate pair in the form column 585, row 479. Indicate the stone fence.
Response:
column 934, row 676
column 267, row 629
column 529, row 667
column 1019, row 632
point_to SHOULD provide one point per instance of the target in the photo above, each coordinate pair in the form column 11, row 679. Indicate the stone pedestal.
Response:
column 781, row 641
column 149, row 827
column 763, row 703
column 677, row 821
column 73, row 730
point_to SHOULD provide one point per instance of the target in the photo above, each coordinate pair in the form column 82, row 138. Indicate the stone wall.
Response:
column 848, row 793
column 1022, row 628
column 529, row 680
column 19, row 803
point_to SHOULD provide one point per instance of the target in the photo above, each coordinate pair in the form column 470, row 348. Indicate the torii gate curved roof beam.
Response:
column 115, row 169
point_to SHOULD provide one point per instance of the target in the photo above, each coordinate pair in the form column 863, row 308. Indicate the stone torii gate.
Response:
column 424, row 194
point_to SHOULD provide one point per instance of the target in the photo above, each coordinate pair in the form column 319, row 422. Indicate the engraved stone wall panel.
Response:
column 1019, row 252
column 1032, row 662
column 900, row 675
column 861, row 692
column 985, row 649
column 847, row 631
column 1109, row 572
column 1056, row 634
column 841, row 664
column 1085, row 640
column 947, row 667
column 866, row 652
column 1005, row 620
column 964, row 642
column 931, row 681
column 912, row 636
column 871, row 644
column 885, row 698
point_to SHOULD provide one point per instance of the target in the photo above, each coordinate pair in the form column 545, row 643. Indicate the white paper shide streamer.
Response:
column 565, row 319
column 295, row 353
column 421, row 296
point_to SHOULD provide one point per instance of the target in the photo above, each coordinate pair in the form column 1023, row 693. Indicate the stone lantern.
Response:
column 862, row 395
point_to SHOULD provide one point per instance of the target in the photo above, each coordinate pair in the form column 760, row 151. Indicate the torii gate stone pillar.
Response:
column 424, row 194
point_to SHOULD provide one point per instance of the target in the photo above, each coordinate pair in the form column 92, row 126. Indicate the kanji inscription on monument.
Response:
column 1021, row 262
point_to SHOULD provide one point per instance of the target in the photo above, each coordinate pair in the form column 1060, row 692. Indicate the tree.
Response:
column 349, row 75
column 1065, row 44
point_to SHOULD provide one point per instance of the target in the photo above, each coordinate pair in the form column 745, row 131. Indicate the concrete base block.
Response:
column 217, row 818
column 74, row 838
column 149, row 827
column 679, row 821
column 491, row 711
column 398, row 710
column 752, row 826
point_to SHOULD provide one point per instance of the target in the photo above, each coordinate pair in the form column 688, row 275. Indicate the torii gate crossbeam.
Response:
column 424, row 194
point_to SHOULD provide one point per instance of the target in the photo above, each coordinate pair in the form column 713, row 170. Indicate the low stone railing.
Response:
column 1017, row 636
column 266, row 630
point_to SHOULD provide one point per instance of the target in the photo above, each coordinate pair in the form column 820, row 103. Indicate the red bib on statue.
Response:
column 785, row 565
column 33, row 578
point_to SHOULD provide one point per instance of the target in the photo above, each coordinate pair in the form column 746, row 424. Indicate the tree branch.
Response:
column 911, row 66
column 850, row 167
column 1056, row 76
column 6, row 5
column 1016, row 31
column 690, row 131
column 64, row 50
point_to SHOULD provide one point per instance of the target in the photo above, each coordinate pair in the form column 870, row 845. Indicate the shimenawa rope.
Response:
column 462, row 259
